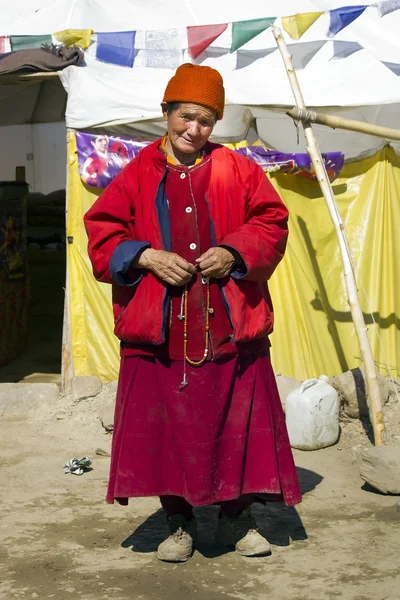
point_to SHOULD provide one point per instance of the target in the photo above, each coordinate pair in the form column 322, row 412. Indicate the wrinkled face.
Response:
column 100, row 144
column 190, row 126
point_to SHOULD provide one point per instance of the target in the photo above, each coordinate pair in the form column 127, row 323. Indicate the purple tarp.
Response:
column 102, row 157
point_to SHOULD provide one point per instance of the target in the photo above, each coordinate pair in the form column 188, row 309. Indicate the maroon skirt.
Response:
column 221, row 436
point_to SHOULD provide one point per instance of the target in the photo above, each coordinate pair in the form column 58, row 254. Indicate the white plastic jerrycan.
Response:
column 312, row 415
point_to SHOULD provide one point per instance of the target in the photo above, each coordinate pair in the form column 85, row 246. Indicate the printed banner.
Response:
column 163, row 48
column 294, row 164
column 101, row 158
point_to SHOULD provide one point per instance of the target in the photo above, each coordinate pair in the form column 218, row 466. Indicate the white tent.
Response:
column 354, row 73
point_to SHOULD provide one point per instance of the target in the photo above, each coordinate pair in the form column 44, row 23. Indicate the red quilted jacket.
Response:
column 246, row 214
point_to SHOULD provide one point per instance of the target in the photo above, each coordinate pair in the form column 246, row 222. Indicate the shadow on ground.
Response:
column 280, row 524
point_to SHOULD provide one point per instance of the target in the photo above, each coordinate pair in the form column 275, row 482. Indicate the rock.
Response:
column 286, row 385
column 352, row 389
column 21, row 397
column 101, row 452
column 106, row 415
column 106, row 412
column 380, row 468
column 85, row 387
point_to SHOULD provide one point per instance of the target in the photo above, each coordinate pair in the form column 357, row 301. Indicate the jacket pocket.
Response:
column 250, row 309
column 141, row 318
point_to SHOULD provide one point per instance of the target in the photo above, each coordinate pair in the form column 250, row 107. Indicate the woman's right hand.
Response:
column 168, row 266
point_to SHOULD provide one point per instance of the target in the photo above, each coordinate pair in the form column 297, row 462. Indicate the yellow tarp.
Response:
column 314, row 333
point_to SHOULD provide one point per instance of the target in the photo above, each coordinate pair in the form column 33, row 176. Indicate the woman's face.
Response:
column 190, row 126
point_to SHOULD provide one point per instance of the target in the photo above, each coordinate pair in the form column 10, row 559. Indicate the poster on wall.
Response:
column 101, row 157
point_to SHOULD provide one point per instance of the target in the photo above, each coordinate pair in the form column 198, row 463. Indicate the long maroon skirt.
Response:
column 221, row 436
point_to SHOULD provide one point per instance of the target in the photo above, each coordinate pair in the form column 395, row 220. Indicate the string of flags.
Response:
column 165, row 47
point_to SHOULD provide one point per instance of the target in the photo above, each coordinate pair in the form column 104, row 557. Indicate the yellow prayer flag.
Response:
column 296, row 25
column 75, row 37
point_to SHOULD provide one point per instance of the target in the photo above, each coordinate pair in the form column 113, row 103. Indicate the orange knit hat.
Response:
column 199, row 85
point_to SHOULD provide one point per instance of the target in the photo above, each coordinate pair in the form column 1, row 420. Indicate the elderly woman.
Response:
column 188, row 235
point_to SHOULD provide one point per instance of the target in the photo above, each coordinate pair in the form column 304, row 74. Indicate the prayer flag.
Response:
column 388, row 6
column 29, row 42
column 297, row 25
column 163, row 48
column 341, row 17
column 343, row 49
column 3, row 44
column 303, row 53
column 201, row 36
column 75, row 37
column 116, row 48
column 244, row 31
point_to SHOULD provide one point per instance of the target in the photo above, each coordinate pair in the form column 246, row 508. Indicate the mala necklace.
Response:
column 183, row 316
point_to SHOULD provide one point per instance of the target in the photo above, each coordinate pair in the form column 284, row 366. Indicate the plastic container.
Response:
column 312, row 415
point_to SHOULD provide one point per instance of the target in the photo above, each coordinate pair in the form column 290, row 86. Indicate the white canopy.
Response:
column 354, row 73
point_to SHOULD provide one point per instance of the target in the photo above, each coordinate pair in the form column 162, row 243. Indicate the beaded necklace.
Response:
column 183, row 316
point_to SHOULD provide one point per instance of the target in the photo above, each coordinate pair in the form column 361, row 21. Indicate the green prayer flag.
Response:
column 28, row 42
column 244, row 31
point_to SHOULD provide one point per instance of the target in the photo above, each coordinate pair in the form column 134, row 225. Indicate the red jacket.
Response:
column 246, row 214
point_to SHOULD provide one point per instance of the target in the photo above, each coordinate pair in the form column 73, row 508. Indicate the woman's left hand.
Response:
column 216, row 263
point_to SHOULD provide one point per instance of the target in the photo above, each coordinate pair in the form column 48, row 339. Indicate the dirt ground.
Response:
column 60, row 540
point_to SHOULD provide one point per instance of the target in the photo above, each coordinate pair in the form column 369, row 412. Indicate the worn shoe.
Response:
column 242, row 533
column 178, row 547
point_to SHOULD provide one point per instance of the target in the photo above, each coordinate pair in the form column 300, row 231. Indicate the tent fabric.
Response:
column 358, row 70
column 335, row 75
column 314, row 333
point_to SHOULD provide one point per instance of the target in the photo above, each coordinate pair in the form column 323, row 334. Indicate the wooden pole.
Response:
column 375, row 404
column 67, row 365
column 311, row 116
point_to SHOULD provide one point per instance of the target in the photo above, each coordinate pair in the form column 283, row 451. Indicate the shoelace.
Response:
column 178, row 534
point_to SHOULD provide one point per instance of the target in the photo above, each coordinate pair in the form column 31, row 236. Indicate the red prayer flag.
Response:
column 201, row 36
column 2, row 44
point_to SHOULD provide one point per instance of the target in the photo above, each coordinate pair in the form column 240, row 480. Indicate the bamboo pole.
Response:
column 334, row 122
column 375, row 404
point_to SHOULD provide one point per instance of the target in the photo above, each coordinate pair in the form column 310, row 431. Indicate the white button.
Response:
column 192, row 246
column 188, row 209
column 183, row 175
column 204, row 280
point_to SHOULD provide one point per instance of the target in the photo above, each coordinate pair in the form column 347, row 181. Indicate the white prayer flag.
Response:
column 387, row 6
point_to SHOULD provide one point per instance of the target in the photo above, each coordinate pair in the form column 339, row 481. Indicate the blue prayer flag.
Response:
column 341, row 17
column 116, row 48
